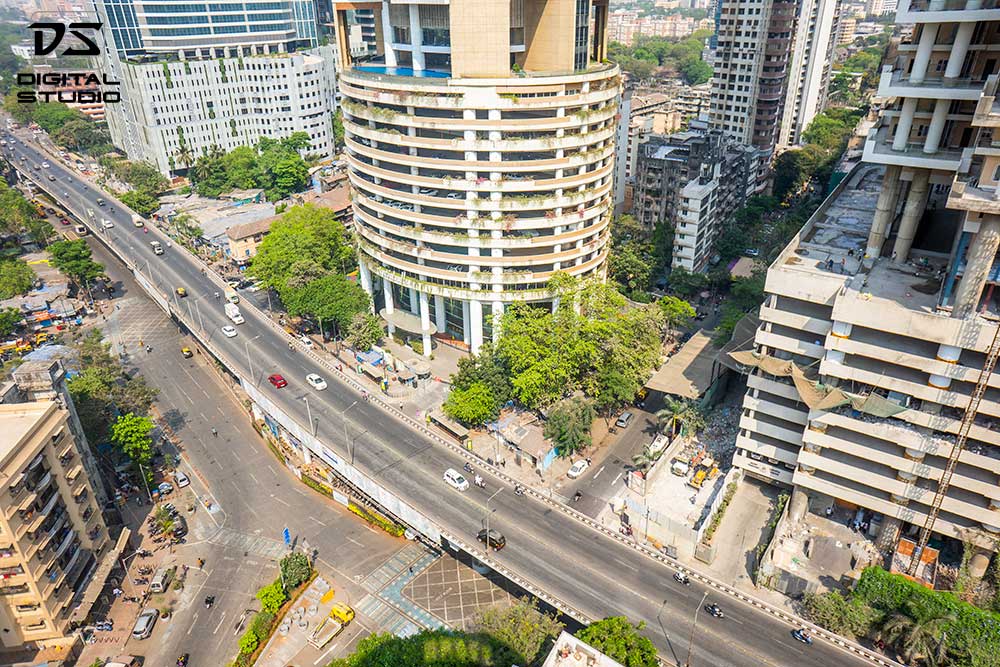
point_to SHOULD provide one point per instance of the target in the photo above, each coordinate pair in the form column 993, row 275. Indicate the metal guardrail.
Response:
column 653, row 555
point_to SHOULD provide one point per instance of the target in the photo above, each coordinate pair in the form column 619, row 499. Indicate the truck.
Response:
column 332, row 625
column 232, row 296
column 233, row 313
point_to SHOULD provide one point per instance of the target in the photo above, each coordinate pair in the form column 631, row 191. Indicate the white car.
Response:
column 181, row 479
column 45, row 165
column 455, row 479
column 306, row 342
column 577, row 469
column 316, row 382
column 229, row 331
column 107, row 223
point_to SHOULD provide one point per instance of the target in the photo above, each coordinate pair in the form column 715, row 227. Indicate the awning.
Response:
column 96, row 584
column 405, row 320
column 688, row 373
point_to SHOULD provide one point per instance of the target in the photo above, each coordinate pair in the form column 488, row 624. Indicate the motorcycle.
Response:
column 479, row 482
column 682, row 578
column 209, row 601
column 182, row 661
column 577, row 496
column 714, row 610
column 518, row 490
column 467, row 467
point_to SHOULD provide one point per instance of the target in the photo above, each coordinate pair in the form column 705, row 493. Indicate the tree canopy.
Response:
column 275, row 165
column 16, row 277
column 131, row 434
column 568, row 425
column 73, row 258
column 618, row 639
column 678, row 56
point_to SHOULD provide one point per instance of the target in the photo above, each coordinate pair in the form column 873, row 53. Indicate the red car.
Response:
column 64, row 221
column 277, row 381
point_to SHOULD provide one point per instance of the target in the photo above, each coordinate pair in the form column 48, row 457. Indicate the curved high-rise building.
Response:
column 481, row 151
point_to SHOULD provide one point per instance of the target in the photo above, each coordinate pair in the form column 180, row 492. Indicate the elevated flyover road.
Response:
column 554, row 550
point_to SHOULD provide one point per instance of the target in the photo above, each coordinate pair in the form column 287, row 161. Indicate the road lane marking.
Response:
column 318, row 521
column 598, row 473
column 194, row 621
column 328, row 652
column 616, row 479
column 220, row 623
column 254, row 478
column 283, row 502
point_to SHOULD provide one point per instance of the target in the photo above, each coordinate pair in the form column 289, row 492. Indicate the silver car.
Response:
column 143, row 627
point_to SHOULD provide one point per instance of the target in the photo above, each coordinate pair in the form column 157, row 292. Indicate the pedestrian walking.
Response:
column 411, row 569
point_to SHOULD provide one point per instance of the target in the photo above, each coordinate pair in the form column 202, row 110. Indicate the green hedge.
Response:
column 385, row 524
column 975, row 632
column 441, row 648
column 318, row 486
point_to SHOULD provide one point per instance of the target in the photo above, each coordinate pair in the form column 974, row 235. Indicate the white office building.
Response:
column 197, row 75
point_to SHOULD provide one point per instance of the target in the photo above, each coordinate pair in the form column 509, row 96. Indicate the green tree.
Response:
column 364, row 332
column 140, row 175
column 9, row 319
column 304, row 233
column 919, row 636
column 73, row 258
column 430, row 648
column 645, row 459
column 130, row 433
column 184, row 157
column 141, row 202
column 249, row 642
column 485, row 368
column 568, row 425
column 473, row 406
column 83, row 135
column 840, row 614
column 686, row 283
column 680, row 411
column 16, row 277
column 522, row 627
column 338, row 129
column 631, row 265
column 332, row 298
column 678, row 313
column 696, row 71
column 295, row 569
column 272, row 597
column 18, row 213
column 618, row 639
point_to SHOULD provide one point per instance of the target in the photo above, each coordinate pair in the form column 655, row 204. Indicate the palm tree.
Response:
column 680, row 410
column 645, row 459
column 184, row 156
column 919, row 637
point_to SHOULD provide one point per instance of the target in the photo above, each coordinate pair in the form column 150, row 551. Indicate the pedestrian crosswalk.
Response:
column 251, row 544
column 387, row 618
column 388, row 606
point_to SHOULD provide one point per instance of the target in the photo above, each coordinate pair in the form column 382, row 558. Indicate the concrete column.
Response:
column 963, row 37
column 982, row 252
column 389, row 308
column 915, row 203
column 979, row 562
column 416, row 38
column 497, row 316
column 905, row 123
column 936, row 128
column 306, row 454
column 440, row 319
column 923, row 56
column 466, row 329
column 885, row 211
column 366, row 278
column 476, row 325
column 414, row 301
column 425, row 323
column 799, row 504
column 390, row 53
column 888, row 535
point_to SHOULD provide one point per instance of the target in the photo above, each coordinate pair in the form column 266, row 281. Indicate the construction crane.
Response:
column 956, row 449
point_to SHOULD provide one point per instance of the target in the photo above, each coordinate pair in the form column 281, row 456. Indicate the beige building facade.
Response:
column 886, row 300
column 480, row 146
column 53, row 539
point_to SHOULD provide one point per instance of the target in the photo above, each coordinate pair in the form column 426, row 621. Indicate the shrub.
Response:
column 272, row 597
column 249, row 642
column 385, row 524
column 295, row 568
column 717, row 517
column 843, row 615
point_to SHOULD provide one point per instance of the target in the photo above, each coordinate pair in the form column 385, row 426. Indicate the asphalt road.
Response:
column 567, row 559
column 255, row 497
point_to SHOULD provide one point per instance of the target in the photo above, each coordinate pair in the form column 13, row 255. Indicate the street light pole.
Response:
column 694, row 624
column 312, row 426
column 146, row 483
column 246, row 346
column 198, row 310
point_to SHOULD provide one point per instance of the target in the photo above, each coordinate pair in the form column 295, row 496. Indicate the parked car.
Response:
column 181, row 479
column 165, row 488
column 624, row 419
column 143, row 627
column 577, row 469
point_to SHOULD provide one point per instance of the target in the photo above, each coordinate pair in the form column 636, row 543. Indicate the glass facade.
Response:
column 581, row 47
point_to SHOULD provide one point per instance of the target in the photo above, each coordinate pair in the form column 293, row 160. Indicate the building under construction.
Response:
column 872, row 382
